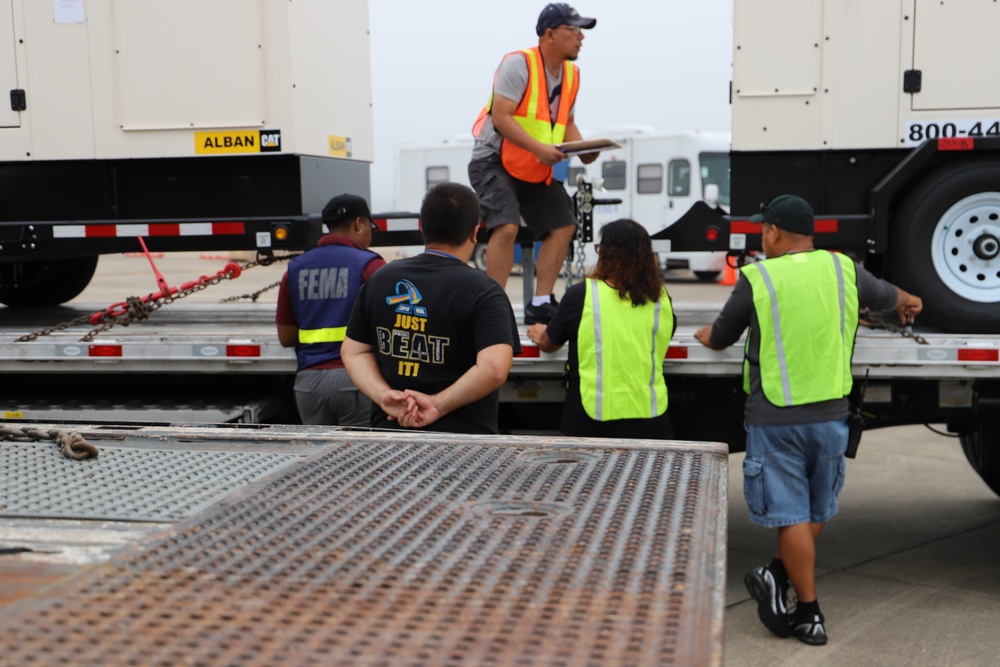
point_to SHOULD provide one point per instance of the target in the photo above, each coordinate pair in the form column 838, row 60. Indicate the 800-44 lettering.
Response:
column 918, row 133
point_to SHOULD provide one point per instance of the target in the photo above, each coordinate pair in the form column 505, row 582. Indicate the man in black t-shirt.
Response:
column 431, row 339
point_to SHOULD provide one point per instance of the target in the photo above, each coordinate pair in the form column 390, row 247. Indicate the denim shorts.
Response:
column 792, row 474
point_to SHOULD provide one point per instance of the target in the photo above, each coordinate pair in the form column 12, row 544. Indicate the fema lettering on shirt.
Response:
column 324, row 283
column 407, row 339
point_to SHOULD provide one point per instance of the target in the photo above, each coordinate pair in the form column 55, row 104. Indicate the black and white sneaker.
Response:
column 809, row 629
column 771, row 596
column 543, row 313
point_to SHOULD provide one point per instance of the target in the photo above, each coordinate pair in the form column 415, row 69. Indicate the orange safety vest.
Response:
column 533, row 114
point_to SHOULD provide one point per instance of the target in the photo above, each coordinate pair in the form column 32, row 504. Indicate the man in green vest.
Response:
column 801, row 305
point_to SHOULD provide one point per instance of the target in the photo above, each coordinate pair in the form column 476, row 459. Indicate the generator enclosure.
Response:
column 879, row 113
column 172, row 108
column 852, row 74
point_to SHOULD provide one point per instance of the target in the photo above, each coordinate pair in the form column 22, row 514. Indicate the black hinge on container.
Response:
column 911, row 81
column 18, row 101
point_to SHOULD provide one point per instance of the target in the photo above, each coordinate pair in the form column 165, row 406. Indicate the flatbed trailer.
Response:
column 205, row 339
column 266, row 545
column 228, row 357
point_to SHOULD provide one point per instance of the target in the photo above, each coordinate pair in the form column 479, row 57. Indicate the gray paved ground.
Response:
column 908, row 572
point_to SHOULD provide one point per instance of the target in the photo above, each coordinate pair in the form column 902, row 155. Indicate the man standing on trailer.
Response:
column 801, row 305
column 530, row 110
column 315, row 300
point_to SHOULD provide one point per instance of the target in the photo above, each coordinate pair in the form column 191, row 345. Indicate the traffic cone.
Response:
column 729, row 275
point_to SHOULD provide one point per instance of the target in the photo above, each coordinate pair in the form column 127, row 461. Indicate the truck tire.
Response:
column 973, row 444
column 945, row 247
column 47, row 282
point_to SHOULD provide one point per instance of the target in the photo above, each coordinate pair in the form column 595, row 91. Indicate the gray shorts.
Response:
column 505, row 200
column 327, row 396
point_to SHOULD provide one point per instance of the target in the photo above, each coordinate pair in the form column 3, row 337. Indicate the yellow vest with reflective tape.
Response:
column 620, row 350
column 807, row 310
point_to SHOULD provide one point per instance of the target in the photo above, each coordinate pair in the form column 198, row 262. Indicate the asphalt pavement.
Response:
column 907, row 572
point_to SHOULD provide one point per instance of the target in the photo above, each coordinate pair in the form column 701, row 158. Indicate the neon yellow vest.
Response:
column 807, row 309
column 620, row 349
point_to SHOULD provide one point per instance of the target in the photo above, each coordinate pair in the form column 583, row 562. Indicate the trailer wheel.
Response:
column 45, row 282
column 973, row 445
column 479, row 256
column 945, row 247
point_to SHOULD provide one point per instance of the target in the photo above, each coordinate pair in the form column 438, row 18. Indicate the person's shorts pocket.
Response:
column 838, row 479
column 753, row 485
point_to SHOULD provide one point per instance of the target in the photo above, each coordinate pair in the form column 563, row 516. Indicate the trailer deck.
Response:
column 241, row 339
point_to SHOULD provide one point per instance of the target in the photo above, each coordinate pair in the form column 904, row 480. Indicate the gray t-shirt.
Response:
column 739, row 313
column 512, row 83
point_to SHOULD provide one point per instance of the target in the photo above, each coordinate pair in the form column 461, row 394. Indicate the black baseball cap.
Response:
column 788, row 212
column 345, row 207
column 556, row 14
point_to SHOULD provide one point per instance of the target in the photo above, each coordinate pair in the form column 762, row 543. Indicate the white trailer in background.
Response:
column 419, row 167
column 656, row 175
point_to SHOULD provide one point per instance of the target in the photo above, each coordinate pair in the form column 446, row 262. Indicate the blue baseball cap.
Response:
column 556, row 14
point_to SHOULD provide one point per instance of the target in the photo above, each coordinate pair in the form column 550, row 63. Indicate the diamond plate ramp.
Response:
column 123, row 484
column 446, row 551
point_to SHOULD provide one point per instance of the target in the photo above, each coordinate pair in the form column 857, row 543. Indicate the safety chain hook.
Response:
column 874, row 322
column 253, row 296
column 135, row 309
column 71, row 444
column 575, row 267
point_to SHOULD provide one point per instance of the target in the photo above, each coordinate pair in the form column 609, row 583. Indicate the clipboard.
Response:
column 587, row 146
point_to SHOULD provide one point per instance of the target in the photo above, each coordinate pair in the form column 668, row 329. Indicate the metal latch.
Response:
column 911, row 80
column 18, row 101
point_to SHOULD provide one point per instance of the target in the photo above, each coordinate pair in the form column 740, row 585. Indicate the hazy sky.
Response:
column 663, row 64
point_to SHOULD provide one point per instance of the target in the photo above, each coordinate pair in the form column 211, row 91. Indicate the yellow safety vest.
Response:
column 620, row 350
column 807, row 310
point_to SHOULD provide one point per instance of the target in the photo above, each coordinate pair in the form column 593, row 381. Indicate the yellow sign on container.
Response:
column 338, row 146
column 227, row 142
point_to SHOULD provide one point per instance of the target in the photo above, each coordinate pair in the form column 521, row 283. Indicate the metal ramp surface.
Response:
column 124, row 484
column 391, row 549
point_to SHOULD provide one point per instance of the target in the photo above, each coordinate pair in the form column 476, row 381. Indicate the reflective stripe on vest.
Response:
column 535, row 117
column 323, row 284
column 328, row 335
column 807, row 311
column 620, row 357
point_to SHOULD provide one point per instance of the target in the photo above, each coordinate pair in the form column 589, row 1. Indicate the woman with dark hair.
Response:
column 618, row 323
